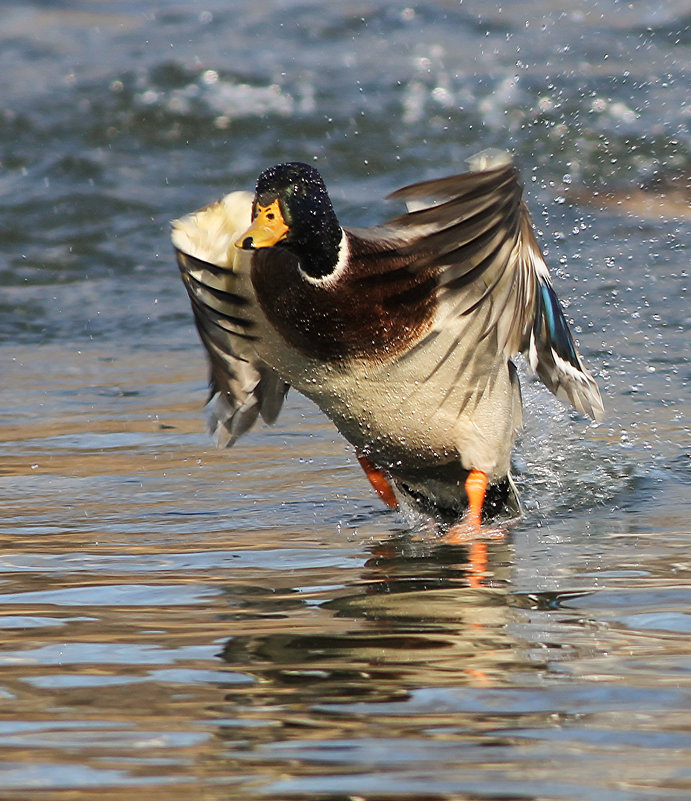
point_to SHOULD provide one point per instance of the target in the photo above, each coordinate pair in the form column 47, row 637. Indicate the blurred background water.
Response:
column 181, row 623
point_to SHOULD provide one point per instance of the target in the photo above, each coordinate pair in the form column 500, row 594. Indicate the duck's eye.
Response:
column 270, row 215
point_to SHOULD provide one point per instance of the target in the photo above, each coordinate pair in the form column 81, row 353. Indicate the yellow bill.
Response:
column 268, row 228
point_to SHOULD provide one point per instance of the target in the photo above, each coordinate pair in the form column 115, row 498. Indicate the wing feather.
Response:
column 216, row 276
column 475, row 229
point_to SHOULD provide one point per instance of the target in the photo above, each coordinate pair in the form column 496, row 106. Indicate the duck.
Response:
column 404, row 334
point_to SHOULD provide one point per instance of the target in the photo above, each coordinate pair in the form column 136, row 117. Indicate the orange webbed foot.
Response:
column 470, row 527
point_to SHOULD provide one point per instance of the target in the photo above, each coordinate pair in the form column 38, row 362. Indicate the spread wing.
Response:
column 475, row 231
column 216, row 276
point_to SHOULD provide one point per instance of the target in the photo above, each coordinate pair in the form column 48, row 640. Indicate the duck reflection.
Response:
column 416, row 616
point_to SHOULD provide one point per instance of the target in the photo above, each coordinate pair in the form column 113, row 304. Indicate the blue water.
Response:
column 184, row 623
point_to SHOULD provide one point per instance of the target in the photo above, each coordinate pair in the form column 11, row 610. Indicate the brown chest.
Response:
column 374, row 309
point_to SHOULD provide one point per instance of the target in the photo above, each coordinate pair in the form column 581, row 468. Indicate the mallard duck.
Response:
column 402, row 333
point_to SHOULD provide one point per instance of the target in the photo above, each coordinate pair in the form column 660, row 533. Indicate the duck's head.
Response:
column 292, row 209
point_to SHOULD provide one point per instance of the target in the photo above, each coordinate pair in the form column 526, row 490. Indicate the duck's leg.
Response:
column 470, row 526
column 475, row 490
column 377, row 478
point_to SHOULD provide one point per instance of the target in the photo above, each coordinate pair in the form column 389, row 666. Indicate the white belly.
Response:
column 405, row 414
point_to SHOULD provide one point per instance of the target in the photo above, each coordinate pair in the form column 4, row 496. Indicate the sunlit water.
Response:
column 181, row 623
